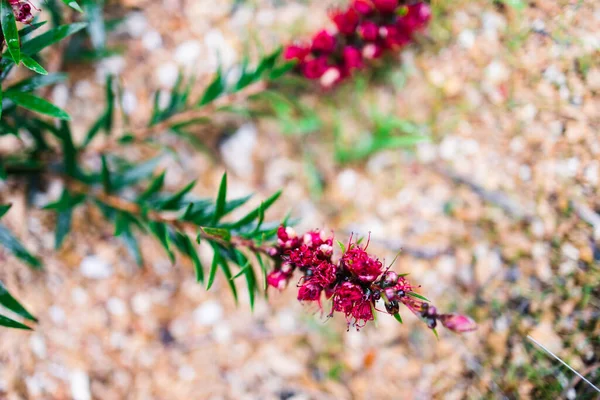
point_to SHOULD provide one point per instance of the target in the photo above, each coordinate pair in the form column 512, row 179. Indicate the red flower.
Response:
column 368, row 30
column 22, row 11
column 323, row 41
column 295, row 52
column 417, row 16
column 345, row 297
column 302, row 257
column 316, row 238
column 394, row 37
column 323, row 274
column 352, row 58
column 309, row 292
column 362, row 313
column 372, row 51
column 364, row 7
column 345, row 21
column 361, row 265
column 278, row 279
column 287, row 238
column 386, row 6
column 458, row 323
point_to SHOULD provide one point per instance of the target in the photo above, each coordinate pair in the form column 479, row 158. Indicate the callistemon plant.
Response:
column 365, row 31
column 354, row 284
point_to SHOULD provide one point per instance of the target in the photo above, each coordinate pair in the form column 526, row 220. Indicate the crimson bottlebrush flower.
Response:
column 296, row 52
column 309, row 291
column 277, row 279
column 361, row 265
column 323, row 42
column 364, row 7
column 365, row 30
column 352, row 58
column 385, row 6
column 314, row 69
column 354, row 283
column 458, row 323
column 346, row 21
column 368, row 30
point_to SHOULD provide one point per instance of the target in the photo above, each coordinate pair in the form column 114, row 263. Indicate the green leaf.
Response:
column 33, row 65
column 106, row 180
column 213, row 270
column 186, row 246
column 73, row 4
column 123, row 231
column 134, row 174
column 214, row 90
column 263, row 268
column 63, row 227
column 173, row 201
column 435, row 333
column 281, row 70
column 226, row 271
column 1, row 96
column 38, row 43
column 418, row 296
column 398, row 317
column 4, row 209
column 31, row 28
column 13, row 305
column 95, row 16
column 9, row 29
column 342, row 246
column 37, row 104
column 15, row 247
column 218, row 232
column 159, row 230
column 221, row 199
column 154, row 187
column 37, row 82
column 9, row 323
column 252, row 215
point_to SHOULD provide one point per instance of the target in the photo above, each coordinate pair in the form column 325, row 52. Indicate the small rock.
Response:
column 152, row 40
column 167, row 75
column 187, row 53
column 136, row 24
column 93, row 267
column 38, row 345
column 141, row 303
column 80, row 385
column 466, row 38
column 116, row 306
column 237, row 150
column 208, row 313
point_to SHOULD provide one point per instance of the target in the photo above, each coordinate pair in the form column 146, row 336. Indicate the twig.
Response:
column 497, row 198
column 121, row 204
column 142, row 133
column 563, row 363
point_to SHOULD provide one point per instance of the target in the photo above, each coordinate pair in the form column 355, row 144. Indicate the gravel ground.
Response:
column 495, row 215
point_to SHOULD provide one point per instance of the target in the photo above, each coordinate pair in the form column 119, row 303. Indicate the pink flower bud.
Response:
column 363, row 7
column 372, row 51
column 331, row 77
column 294, row 52
column 458, row 323
column 277, row 279
column 345, row 21
column 368, row 30
column 417, row 17
column 386, row 6
column 324, row 42
column 352, row 58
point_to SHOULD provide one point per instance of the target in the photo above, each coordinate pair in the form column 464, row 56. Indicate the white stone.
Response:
column 79, row 295
column 129, row 102
column 570, row 251
column 347, row 181
column 265, row 17
column 496, row 72
column 57, row 314
column 94, row 267
column 167, row 74
column 83, row 89
column 209, row 313
column 237, row 150
column 80, row 385
column 60, row 95
column 426, row 152
column 466, row 38
column 592, row 173
column 38, row 345
column 136, row 24
column 186, row 373
column 286, row 319
column 116, row 306
column 222, row 333
column 141, row 303
column 112, row 65
column 152, row 40
column 187, row 53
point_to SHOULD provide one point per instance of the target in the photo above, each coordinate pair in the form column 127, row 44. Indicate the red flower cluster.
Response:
column 365, row 31
column 22, row 10
column 354, row 284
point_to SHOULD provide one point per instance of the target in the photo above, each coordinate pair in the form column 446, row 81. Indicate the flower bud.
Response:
column 392, row 307
column 390, row 278
column 458, row 323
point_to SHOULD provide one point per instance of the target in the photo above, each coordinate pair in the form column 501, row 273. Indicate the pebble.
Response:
column 466, row 39
column 116, row 306
column 209, row 313
column 188, row 53
column 60, row 95
column 129, row 102
column 136, row 24
column 167, row 75
column 93, row 267
column 38, row 345
column 152, row 40
column 141, row 303
column 237, row 150
column 80, row 385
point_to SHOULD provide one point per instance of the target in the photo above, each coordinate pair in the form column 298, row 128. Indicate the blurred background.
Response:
column 475, row 152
